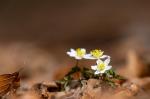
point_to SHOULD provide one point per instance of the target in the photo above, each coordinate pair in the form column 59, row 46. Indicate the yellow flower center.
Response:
column 101, row 66
column 80, row 52
column 97, row 53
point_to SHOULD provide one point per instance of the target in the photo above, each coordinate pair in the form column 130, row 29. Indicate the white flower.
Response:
column 101, row 66
column 78, row 53
column 96, row 54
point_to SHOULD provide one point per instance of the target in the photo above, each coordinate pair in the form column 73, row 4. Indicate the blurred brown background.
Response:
column 37, row 34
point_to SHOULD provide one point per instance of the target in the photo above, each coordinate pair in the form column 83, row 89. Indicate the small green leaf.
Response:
column 73, row 70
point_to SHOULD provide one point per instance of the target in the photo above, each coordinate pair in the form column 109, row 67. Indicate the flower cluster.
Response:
column 102, row 61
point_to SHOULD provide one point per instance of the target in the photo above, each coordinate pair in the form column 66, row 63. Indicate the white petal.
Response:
column 76, row 57
column 89, row 56
column 105, row 56
column 94, row 67
column 107, row 61
column 99, row 61
column 108, row 67
column 72, row 50
column 68, row 53
column 103, row 71
column 97, row 72
column 71, row 54
column 108, row 56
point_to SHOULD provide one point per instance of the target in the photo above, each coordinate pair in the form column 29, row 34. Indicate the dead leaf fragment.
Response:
column 9, row 82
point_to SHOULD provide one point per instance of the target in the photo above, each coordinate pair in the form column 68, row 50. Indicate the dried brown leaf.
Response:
column 9, row 82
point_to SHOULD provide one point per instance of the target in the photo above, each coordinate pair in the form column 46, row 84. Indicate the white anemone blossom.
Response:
column 78, row 53
column 102, row 66
column 96, row 54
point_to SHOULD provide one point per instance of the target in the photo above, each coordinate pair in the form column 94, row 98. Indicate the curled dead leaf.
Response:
column 9, row 82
